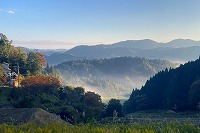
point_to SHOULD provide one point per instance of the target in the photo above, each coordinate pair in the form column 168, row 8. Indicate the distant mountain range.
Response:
column 179, row 50
column 59, row 57
column 150, row 44
column 47, row 52
column 112, row 77
column 176, row 50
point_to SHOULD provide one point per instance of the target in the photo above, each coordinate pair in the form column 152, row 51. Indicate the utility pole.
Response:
column 18, row 72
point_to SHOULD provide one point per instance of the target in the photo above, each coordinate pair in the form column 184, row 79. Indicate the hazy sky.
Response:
column 66, row 23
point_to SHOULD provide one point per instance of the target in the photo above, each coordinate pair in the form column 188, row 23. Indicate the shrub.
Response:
column 41, row 82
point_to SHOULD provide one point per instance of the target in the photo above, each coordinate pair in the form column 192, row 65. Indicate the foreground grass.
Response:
column 90, row 128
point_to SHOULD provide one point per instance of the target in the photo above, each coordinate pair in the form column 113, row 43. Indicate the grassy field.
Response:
column 111, row 128
column 156, row 116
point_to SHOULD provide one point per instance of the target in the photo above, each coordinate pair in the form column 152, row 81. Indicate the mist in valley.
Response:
column 107, row 87
column 111, row 77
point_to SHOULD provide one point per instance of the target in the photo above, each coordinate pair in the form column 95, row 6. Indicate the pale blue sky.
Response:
column 72, row 22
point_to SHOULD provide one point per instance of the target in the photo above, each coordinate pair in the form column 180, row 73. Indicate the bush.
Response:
column 41, row 82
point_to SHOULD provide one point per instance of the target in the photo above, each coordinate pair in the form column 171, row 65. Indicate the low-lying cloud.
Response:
column 45, row 44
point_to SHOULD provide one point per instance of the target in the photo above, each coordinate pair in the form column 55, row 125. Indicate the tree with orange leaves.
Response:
column 41, row 58
column 41, row 82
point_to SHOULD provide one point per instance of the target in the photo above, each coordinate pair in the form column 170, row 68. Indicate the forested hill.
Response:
column 116, row 66
column 114, row 76
column 177, row 89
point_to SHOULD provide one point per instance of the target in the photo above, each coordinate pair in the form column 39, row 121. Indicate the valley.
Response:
column 114, row 77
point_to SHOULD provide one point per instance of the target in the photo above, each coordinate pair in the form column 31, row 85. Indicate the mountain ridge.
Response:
column 178, row 50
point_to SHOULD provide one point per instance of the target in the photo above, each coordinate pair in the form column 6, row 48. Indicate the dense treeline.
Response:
column 29, row 63
column 116, row 66
column 176, row 89
column 71, row 104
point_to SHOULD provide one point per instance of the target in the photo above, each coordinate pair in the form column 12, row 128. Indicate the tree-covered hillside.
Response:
column 177, row 89
column 111, row 77
column 29, row 63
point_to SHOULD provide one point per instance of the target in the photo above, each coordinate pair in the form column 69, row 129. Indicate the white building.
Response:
column 10, row 75
column 6, row 68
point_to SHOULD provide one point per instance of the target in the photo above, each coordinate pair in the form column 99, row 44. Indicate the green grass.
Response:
column 91, row 128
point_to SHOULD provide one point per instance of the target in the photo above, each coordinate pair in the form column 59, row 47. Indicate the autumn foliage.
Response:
column 41, row 59
column 41, row 81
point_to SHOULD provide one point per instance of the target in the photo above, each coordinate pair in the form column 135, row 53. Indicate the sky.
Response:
column 53, row 24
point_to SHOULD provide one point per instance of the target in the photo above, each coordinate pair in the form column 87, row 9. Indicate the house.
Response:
column 6, row 68
column 11, row 76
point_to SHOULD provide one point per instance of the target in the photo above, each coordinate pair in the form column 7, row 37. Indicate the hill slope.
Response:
column 27, row 115
column 176, row 89
column 111, row 77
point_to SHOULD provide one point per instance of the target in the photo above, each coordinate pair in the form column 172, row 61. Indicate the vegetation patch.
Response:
column 91, row 128
column 27, row 115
